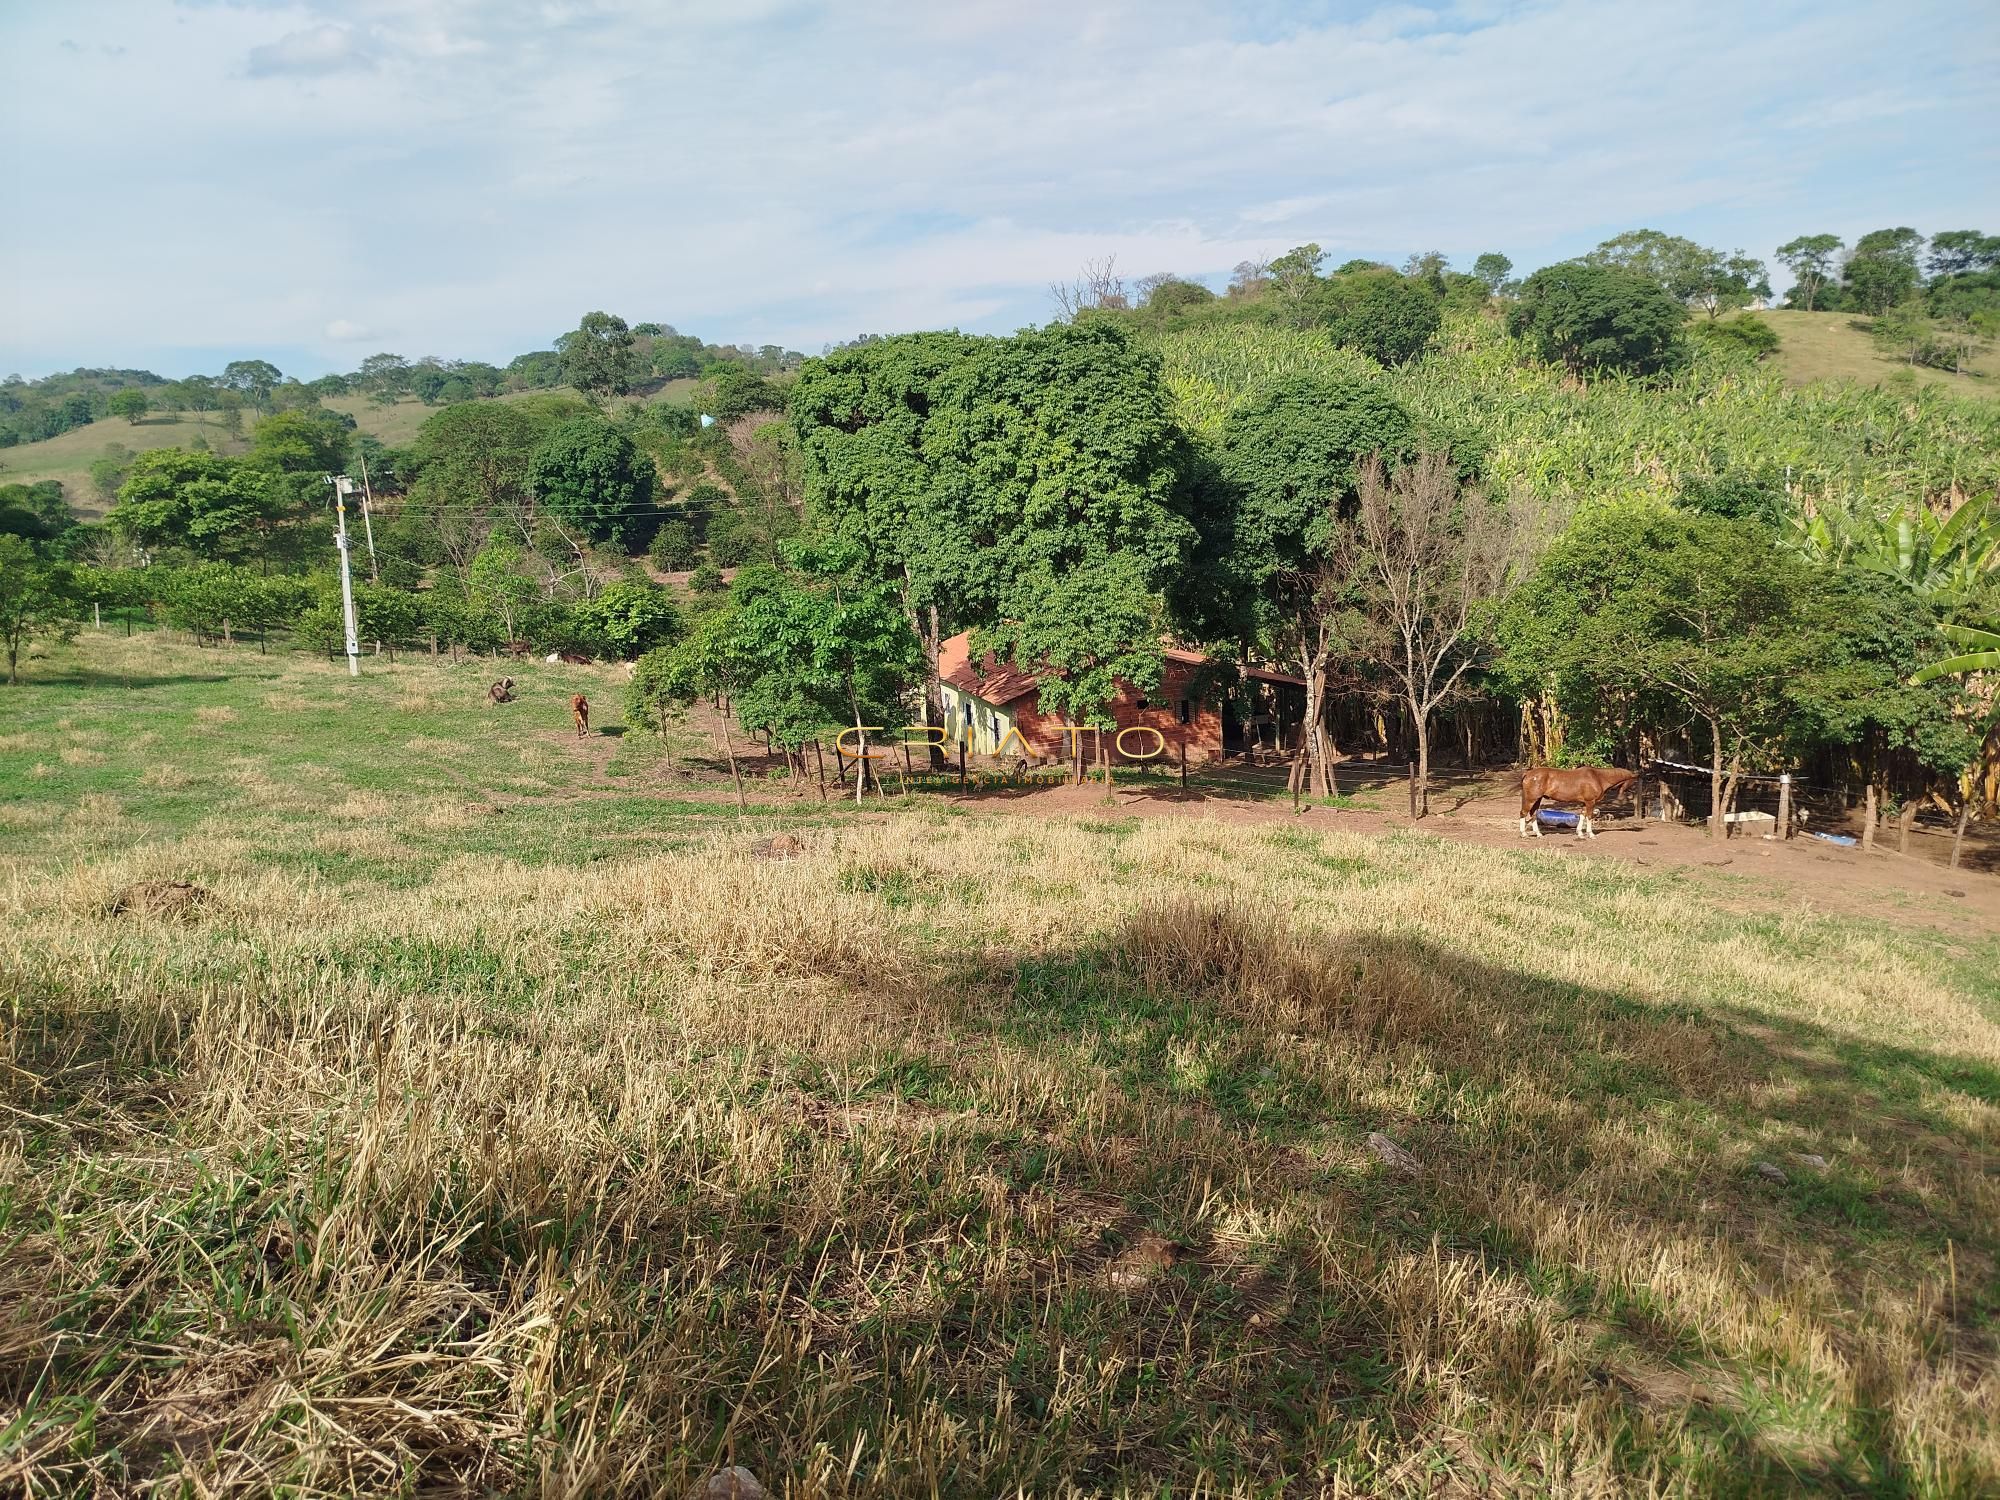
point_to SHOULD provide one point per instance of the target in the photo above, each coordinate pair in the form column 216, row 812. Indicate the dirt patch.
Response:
column 159, row 898
column 1876, row 883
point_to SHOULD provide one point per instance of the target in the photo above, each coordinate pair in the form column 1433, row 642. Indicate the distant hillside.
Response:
column 1836, row 346
column 67, row 457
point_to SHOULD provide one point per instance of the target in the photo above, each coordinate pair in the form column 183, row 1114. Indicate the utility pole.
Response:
column 342, row 486
column 368, row 526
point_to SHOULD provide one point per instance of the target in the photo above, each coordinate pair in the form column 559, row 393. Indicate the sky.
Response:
column 311, row 183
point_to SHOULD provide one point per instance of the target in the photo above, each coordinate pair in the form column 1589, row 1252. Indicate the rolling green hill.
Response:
column 1836, row 346
column 68, row 456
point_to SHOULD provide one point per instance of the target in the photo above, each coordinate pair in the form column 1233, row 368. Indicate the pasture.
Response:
column 400, row 1095
column 1836, row 346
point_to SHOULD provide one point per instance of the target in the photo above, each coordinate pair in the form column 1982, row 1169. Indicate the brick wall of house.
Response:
column 1202, row 734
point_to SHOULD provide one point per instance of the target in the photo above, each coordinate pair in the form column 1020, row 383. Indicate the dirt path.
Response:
column 1800, row 874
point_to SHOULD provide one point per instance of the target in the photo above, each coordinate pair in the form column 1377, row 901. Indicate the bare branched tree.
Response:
column 1425, row 556
column 1099, row 285
column 1307, row 637
column 1145, row 286
column 1249, row 278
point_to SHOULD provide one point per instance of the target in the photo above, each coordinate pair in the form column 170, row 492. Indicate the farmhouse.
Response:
column 993, row 709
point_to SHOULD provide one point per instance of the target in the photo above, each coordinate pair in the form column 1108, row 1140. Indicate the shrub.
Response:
column 1746, row 335
column 627, row 619
column 674, row 547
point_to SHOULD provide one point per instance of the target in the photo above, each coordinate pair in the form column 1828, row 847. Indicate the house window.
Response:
column 1187, row 715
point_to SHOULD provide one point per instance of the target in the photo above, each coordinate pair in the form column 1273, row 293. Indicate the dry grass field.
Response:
column 1836, row 346
column 484, row 1114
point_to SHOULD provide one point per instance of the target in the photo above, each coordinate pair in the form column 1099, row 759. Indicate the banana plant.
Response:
column 1983, row 655
column 1942, row 557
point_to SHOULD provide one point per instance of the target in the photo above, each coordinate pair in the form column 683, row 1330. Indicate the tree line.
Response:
column 601, row 357
column 1047, row 492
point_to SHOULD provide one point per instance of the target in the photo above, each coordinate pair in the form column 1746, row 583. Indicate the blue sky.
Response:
column 314, row 182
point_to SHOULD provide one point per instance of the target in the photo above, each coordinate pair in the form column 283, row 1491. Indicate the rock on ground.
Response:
column 1393, row 1155
column 732, row 1483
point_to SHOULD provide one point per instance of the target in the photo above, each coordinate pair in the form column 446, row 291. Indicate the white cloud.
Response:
column 487, row 170
column 313, row 52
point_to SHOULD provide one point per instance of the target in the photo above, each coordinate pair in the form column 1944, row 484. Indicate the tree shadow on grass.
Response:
column 90, row 677
column 1266, row 1048
column 1040, row 1241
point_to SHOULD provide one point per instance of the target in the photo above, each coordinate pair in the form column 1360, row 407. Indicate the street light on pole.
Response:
column 342, row 487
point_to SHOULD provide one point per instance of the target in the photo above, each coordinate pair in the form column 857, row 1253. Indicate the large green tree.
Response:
column 1810, row 259
column 38, row 598
column 1493, row 269
column 1692, row 274
column 1596, row 319
column 216, row 508
column 1287, row 471
column 1960, row 252
column 1642, row 618
column 587, row 473
column 1384, row 315
column 1882, row 272
column 977, row 473
column 597, row 355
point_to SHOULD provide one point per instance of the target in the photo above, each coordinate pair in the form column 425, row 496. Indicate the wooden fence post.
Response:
column 1785, row 806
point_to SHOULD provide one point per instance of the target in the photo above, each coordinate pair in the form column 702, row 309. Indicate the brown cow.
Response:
column 1584, row 785
column 579, row 708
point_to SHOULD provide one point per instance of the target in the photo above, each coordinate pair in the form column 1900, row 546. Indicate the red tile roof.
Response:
column 990, row 679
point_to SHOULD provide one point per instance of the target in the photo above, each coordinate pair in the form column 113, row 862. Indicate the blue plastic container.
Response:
column 1844, row 840
column 1550, row 817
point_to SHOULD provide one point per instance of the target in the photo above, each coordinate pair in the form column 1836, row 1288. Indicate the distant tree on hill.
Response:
column 1098, row 285
column 251, row 377
column 1810, row 260
column 428, row 381
column 597, row 355
column 1903, row 331
column 312, row 442
column 131, row 404
column 384, row 375
column 1882, row 271
column 1689, row 273
column 1430, row 268
column 1384, row 315
column 1957, row 252
column 1294, row 273
column 1599, row 318
column 1178, row 296
column 1494, row 269
column 1249, row 278
column 587, row 473
column 1877, row 283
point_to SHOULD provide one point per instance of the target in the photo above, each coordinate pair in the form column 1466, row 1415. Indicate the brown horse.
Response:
column 579, row 708
column 1584, row 785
